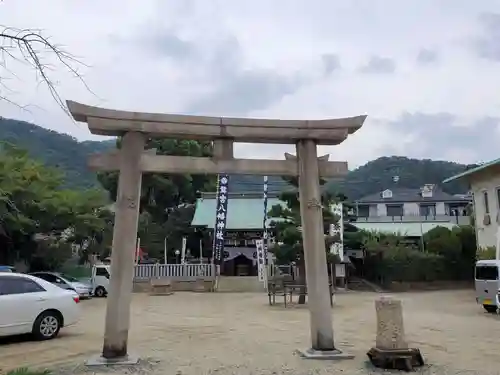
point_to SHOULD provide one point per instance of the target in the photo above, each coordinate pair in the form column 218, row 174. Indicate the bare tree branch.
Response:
column 29, row 46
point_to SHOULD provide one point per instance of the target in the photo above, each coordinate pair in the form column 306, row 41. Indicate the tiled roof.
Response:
column 400, row 195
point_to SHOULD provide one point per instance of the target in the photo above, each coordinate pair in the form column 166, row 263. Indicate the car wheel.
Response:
column 491, row 309
column 100, row 291
column 47, row 325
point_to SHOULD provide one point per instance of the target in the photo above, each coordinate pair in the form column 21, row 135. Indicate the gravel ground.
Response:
column 225, row 333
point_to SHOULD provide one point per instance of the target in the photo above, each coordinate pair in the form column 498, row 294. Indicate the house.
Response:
column 426, row 204
column 484, row 183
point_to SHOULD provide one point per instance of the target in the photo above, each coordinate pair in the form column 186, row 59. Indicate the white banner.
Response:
column 183, row 250
column 261, row 268
column 338, row 248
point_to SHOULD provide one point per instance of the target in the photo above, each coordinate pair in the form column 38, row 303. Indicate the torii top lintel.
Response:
column 102, row 121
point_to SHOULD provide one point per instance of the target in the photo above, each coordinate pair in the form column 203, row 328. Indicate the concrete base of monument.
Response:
column 335, row 354
column 396, row 359
column 99, row 360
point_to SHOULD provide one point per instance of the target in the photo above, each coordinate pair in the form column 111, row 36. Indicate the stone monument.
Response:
column 391, row 349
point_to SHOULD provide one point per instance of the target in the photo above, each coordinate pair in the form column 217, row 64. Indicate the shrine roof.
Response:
column 243, row 213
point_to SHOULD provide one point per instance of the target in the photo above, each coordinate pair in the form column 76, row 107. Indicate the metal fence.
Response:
column 185, row 272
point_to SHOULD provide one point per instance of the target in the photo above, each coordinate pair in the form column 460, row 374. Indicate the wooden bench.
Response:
column 287, row 288
column 161, row 287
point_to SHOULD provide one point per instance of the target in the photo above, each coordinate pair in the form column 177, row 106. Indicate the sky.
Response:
column 426, row 72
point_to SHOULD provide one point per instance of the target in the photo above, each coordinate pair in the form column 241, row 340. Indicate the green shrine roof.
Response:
column 243, row 213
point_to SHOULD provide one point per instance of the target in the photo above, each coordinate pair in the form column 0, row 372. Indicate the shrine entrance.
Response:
column 132, row 161
column 239, row 261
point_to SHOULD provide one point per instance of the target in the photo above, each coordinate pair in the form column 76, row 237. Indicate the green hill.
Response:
column 55, row 149
column 70, row 155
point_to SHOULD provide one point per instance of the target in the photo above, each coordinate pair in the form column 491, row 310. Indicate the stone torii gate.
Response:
column 132, row 160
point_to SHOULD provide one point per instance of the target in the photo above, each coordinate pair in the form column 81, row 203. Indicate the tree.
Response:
column 167, row 200
column 31, row 47
column 286, row 224
column 36, row 214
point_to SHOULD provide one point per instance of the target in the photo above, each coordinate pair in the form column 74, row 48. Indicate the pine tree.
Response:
column 286, row 224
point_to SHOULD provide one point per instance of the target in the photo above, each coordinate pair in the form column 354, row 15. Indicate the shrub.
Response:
column 448, row 255
column 485, row 253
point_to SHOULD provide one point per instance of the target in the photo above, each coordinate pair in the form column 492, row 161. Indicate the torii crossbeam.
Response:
column 132, row 160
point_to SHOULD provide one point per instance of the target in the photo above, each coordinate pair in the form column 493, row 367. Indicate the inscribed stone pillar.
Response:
column 124, row 247
column 314, row 247
column 390, row 328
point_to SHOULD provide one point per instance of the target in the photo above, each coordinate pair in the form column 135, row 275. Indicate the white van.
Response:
column 487, row 283
column 100, row 279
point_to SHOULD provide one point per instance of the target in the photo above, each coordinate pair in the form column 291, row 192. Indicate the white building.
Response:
column 426, row 204
column 484, row 181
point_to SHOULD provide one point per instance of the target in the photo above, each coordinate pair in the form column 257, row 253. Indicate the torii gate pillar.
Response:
column 313, row 237
column 124, row 246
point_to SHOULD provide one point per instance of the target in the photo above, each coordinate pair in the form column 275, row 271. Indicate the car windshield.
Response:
column 69, row 278
column 486, row 272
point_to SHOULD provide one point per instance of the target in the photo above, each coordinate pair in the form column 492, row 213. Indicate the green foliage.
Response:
column 377, row 175
column 287, row 221
column 160, row 190
column 167, row 200
column 54, row 149
column 486, row 253
column 39, row 218
column 448, row 255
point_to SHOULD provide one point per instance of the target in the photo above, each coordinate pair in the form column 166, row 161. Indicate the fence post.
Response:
column 157, row 270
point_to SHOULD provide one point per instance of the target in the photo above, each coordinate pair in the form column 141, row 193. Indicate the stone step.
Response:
column 240, row 284
column 359, row 284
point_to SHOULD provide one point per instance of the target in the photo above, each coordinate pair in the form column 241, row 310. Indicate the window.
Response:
column 71, row 279
column 363, row 211
column 101, row 271
column 395, row 210
column 427, row 210
column 46, row 276
column 486, row 202
column 387, row 194
column 486, row 273
column 498, row 197
column 18, row 285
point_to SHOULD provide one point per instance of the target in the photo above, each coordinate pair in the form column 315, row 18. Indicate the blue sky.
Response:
column 426, row 72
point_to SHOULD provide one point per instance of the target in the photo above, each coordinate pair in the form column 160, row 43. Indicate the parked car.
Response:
column 32, row 305
column 100, row 279
column 66, row 282
column 6, row 269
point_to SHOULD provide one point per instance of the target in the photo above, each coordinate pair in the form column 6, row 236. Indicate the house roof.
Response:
column 472, row 171
column 400, row 195
column 242, row 212
column 410, row 229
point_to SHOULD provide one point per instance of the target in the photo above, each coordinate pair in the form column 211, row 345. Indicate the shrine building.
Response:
column 244, row 225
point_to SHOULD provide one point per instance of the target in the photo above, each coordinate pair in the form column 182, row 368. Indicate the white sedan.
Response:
column 29, row 304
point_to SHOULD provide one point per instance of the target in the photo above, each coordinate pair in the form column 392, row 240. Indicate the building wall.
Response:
column 411, row 209
column 487, row 181
column 441, row 208
column 381, row 209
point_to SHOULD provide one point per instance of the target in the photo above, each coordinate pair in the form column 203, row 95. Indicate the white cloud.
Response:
column 286, row 59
